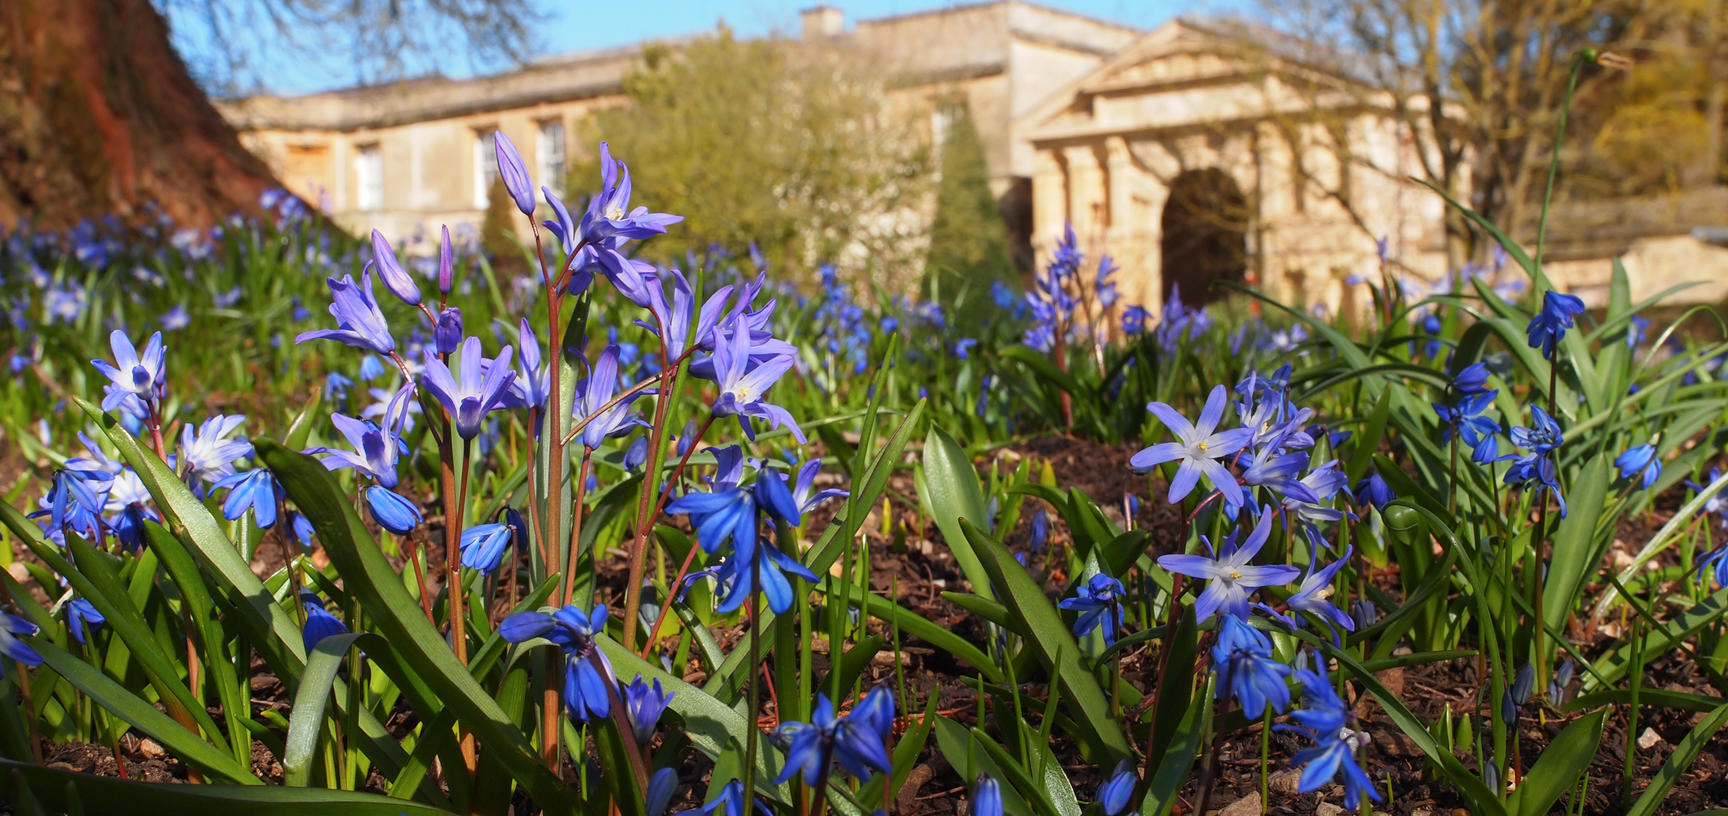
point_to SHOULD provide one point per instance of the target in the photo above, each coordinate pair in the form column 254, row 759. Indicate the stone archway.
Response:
column 1203, row 236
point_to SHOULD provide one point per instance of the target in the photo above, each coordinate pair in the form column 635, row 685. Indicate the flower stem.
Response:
column 581, row 488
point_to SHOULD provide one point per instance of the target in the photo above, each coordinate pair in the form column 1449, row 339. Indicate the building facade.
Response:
column 411, row 155
column 1203, row 150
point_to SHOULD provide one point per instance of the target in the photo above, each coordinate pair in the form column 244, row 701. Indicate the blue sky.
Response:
column 577, row 25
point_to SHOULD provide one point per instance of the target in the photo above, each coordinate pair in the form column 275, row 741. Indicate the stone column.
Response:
column 1085, row 187
column 1049, row 201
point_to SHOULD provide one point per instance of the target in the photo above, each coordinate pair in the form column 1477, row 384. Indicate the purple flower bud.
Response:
column 446, row 263
column 390, row 270
column 448, row 333
column 514, row 172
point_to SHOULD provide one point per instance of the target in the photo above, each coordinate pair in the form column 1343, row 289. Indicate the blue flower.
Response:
column 139, row 376
column 359, row 322
column 857, row 741
column 588, row 680
column 446, row 262
column 448, row 333
column 1640, row 459
column 1114, row 794
column 1243, row 658
column 1314, row 595
column 83, row 619
column 176, row 319
column 533, row 380
column 727, row 512
column 1635, row 331
column 1099, row 603
column 376, row 447
column 390, row 270
column 1472, row 380
column 645, row 703
column 514, row 173
column 599, row 389
column 1550, row 324
column 1199, row 447
column 253, row 490
column 391, row 510
column 483, row 546
column 986, row 797
column 1536, row 470
column 209, row 455
column 320, row 624
column 1134, row 320
column 730, row 802
column 743, row 387
column 1040, row 531
column 11, row 628
column 1334, row 752
column 1230, row 578
column 480, row 388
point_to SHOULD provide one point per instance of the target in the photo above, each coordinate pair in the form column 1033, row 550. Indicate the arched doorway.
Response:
column 1204, row 236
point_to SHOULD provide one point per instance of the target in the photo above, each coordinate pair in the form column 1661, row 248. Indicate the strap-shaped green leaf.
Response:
column 1055, row 646
column 424, row 657
column 189, row 747
column 306, row 721
column 1562, row 762
column 67, row 791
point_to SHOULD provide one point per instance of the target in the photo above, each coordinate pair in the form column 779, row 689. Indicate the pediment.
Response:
column 1192, row 62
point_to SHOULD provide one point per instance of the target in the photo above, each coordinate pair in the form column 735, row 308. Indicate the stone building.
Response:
column 1205, row 149
column 1213, row 150
column 413, row 154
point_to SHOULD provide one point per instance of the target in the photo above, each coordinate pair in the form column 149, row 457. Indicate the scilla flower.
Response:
column 391, row 510
column 477, row 387
column 1099, row 605
column 514, row 173
column 396, row 279
column 11, row 628
column 359, row 322
column 320, row 624
column 1550, row 324
column 83, row 619
column 588, row 683
column 645, row 703
column 1230, row 578
column 1115, row 793
column 483, row 546
column 253, row 490
column 139, row 376
column 1198, row 448
column 1243, row 659
column 1324, row 716
column 1640, row 461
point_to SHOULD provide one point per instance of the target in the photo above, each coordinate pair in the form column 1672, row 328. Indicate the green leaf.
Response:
column 67, row 791
column 306, row 719
column 1562, row 762
column 189, row 747
column 416, row 656
column 1575, row 556
column 1055, row 645
column 950, row 492
column 1685, row 752
column 712, row 726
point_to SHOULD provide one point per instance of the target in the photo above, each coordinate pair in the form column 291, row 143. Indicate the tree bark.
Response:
column 99, row 115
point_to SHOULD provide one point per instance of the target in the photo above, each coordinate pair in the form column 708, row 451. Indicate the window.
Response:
column 485, row 167
column 549, row 156
column 368, row 178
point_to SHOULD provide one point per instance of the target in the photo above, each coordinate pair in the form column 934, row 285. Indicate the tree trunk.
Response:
column 99, row 115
